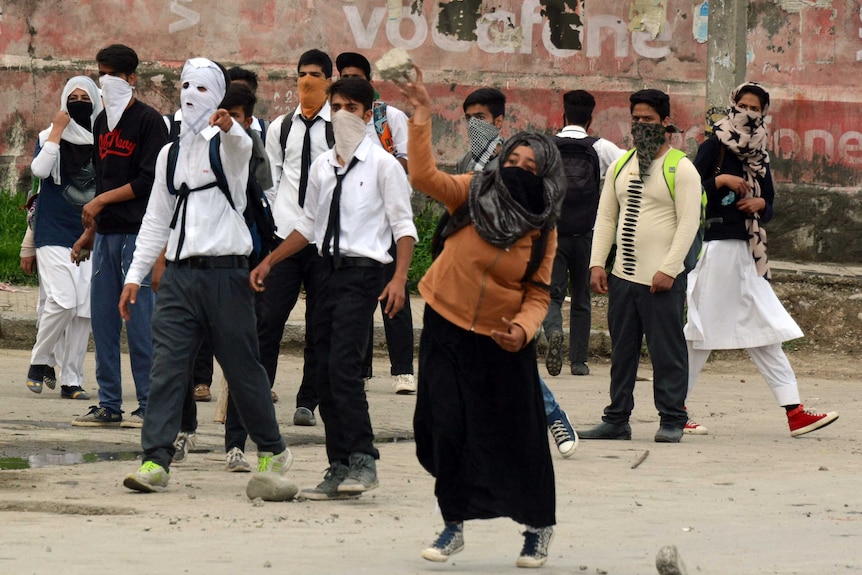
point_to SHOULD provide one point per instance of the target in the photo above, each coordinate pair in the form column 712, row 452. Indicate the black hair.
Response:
column 578, row 106
column 318, row 58
column 493, row 98
column 655, row 99
column 355, row 89
column 238, row 94
column 119, row 58
column 243, row 75
column 761, row 94
column 353, row 60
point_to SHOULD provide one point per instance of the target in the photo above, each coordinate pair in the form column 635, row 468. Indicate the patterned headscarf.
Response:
column 743, row 132
column 498, row 218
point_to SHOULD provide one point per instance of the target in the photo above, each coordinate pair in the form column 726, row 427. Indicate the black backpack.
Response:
column 583, row 185
column 257, row 214
column 448, row 224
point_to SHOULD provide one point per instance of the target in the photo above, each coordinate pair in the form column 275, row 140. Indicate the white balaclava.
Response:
column 203, row 87
column 116, row 93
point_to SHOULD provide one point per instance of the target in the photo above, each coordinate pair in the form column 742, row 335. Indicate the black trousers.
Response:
column 633, row 312
column 572, row 261
column 344, row 311
column 216, row 305
column 399, row 333
column 480, row 427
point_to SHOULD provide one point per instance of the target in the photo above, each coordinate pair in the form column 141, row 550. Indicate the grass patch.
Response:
column 425, row 218
column 13, row 223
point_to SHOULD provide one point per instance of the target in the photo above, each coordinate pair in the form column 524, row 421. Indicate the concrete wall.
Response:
column 808, row 53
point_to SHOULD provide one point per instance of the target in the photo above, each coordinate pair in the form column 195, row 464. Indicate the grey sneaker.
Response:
column 404, row 384
column 606, row 430
column 535, row 551
column 184, row 443
column 328, row 488
column 304, row 417
column 236, row 462
column 449, row 542
column 362, row 475
column 148, row 478
column 270, row 483
column 554, row 357
column 136, row 419
column 98, row 417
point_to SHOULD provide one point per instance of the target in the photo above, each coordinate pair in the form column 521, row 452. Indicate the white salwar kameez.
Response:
column 64, row 321
column 731, row 307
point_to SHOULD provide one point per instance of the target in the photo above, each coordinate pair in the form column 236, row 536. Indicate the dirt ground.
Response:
column 745, row 499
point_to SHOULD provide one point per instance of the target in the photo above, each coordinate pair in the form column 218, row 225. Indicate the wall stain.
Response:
column 564, row 22
column 459, row 19
column 416, row 7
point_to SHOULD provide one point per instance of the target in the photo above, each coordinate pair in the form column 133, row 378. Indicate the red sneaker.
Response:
column 802, row 421
column 694, row 428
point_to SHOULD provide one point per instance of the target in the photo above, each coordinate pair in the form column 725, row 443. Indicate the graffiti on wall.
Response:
column 188, row 17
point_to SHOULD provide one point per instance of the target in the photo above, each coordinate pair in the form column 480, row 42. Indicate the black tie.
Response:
column 306, row 158
column 334, row 223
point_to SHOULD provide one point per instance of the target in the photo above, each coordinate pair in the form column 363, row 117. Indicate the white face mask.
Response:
column 197, row 106
column 116, row 93
column 349, row 129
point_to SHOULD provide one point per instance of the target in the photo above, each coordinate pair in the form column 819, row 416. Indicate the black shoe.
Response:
column 554, row 357
column 580, row 369
column 668, row 434
column 606, row 430
column 73, row 392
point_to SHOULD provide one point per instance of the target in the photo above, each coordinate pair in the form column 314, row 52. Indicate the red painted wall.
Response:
column 809, row 56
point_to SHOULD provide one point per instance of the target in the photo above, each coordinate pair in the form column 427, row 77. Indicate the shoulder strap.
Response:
column 173, row 154
column 218, row 169
column 669, row 166
column 330, row 134
column 262, row 123
column 624, row 159
column 286, row 123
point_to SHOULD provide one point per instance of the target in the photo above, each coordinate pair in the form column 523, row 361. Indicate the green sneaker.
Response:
column 149, row 477
column 267, row 461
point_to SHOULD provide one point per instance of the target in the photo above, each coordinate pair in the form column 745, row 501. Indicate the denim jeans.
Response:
column 112, row 254
column 548, row 398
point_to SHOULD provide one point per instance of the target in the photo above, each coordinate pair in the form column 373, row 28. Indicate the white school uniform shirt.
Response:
column 607, row 151
column 374, row 207
column 286, row 170
column 212, row 227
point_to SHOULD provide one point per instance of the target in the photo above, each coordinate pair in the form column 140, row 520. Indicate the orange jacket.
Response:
column 472, row 283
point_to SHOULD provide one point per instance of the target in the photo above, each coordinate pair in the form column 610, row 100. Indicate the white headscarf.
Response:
column 197, row 106
column 74, row 133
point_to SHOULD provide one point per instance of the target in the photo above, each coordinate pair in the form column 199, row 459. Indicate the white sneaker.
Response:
column 184, row 443
column 236, row 462
column 404, row 383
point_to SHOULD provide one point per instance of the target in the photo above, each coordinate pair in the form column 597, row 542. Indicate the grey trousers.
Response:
column 216, row 305
column 633, row 312
column 572, row 261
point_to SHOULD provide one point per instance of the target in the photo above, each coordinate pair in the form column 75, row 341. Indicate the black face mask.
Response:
column 80, row 112
column 525, row 188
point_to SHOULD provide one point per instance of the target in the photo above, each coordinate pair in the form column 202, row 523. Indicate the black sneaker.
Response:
column 136, row 419
column 535, row 551
column 450, row 541
column 49, row 378
column 98, row 417
column 73, row 392
column 362, row 475
column 554, row 357
column 606, row 430
column 36, row 377
column 328, row 488
column 564, row 436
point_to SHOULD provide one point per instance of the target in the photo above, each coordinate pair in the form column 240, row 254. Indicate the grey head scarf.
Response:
column 499, row 219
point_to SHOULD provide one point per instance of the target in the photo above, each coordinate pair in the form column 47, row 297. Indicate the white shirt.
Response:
column 397, row 121
column 607, row 151
column 287, row 163
column 212, row 226
column 374, row 207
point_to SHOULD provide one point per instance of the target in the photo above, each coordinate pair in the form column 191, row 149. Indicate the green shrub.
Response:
column 13, row 223
column 425, row 217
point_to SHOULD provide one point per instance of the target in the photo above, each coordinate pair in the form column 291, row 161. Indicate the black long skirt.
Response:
column 480, row 427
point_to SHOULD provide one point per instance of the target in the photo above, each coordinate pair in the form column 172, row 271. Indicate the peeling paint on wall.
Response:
column 459, row 18
column 565, row 23
column 647, row 16
column 797, row 6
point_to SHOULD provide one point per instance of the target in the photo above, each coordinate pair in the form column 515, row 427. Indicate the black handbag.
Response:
column 82, row 187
